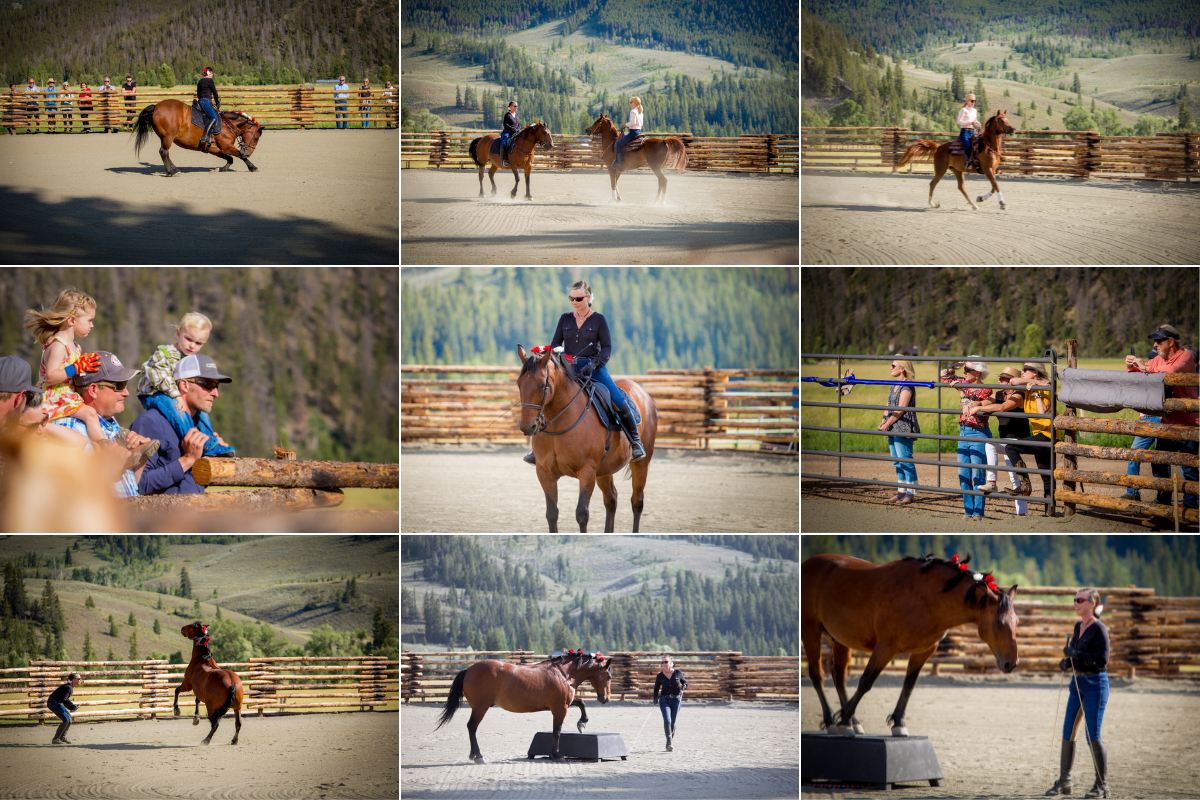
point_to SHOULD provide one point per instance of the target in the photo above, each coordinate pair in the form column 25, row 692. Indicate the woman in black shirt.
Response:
column 58, row 702
column 206, row 93
column 671, row 683
column 1087, row 656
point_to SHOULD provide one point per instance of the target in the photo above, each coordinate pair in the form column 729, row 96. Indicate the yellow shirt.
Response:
column 1037, row 426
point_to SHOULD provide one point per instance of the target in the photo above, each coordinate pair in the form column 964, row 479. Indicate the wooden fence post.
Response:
column 1072, row 362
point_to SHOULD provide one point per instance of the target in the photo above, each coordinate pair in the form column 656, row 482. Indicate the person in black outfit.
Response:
column 670, row 683
column 512, row 126
column 59, row 702
column 1087, row 653
column 206, row 91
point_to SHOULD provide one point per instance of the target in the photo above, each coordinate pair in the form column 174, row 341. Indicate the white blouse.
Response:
column 635, row 118
column 967, row 117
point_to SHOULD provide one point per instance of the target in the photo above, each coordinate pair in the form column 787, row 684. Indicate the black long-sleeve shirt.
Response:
column 672, row 686
column 207, row 87
column 1093, row 648
column 512, row 122
column 63, row 695
column 591, row 340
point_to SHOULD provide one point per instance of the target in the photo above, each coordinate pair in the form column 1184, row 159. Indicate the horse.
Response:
column 172, row 121
column 654, row 152
column 218, row 688
column 534, row 136
column 580, row 447
column 905, row 606
column 990, row 154
column 551, row 685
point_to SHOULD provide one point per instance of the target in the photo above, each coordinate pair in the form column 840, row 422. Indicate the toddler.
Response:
column 157, row 387
column 62, row 359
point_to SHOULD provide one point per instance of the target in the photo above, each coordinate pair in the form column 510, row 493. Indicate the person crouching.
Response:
column 59, row 702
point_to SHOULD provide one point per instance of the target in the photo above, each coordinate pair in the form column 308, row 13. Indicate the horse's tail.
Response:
column 220, row 712
column 920, row 150
column 452, row 699
column 144, row 125
column 475, row 157
column 678, row 151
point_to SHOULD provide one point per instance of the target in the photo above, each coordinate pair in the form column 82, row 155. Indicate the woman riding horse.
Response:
column 521, row 152
column 989, row 155
column 658, row 154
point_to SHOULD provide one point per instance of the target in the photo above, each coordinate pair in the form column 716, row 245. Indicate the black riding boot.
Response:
column 61, row 734
column 667, row 731
column 635, row 441
column 1100, row 789
column 1066, row 759
column 529, row 458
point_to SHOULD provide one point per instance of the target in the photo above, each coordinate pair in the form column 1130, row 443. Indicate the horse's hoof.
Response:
column 899, row 730
column 478, row 760
column 195, row 721
column 846, row 731
column 1003, row 207
column 979, row 199
column 858, row 728
column 206, row 741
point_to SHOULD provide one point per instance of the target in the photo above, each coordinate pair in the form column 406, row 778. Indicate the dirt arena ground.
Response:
column 884, row 219
column 723, row 750
column 995, row 735
column 487, row 488
column 348, row 755
column 318, row 197
column 707, row 219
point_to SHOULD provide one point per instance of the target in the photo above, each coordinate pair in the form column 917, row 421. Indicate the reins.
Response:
column 540, row 424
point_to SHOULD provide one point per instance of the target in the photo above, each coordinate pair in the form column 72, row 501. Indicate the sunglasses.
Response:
column 1081, row 600
column 208, row 386
column 119, row 386
column 577, row 299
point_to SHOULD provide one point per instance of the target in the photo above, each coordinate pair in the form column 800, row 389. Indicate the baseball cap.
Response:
column 111, row 369
column 1164, row 332
column 14, row 375
column 199, row 367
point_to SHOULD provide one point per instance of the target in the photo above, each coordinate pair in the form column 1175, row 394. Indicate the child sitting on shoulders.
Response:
column 157, row 387
column 62, row 358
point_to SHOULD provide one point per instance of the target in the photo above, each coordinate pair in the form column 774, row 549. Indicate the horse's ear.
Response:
column 521, row 354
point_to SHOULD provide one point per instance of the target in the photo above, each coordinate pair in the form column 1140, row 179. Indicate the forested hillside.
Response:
column 1168, row 564
column 995, row 312
column 682, row 318
column 312, row 353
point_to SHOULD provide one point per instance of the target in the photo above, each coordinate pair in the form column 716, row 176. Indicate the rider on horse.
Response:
column 206, row 90
column 512, row 126
column 635, row 129
column 968, row 121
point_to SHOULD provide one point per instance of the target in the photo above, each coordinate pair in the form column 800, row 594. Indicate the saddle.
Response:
column 200, row 119
column 601, row 400
column 495, row 148
column 636, row 144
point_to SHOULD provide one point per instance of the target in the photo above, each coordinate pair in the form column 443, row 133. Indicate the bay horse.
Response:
column 172, row 121
column 521, row 157
column 990, row 153
column 577, row 448
column 904, row 606
column 658, row 154
column 219, row 688
column 551, row 685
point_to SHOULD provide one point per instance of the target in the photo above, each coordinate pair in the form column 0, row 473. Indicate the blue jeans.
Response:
column 1140, row 443
column 964, row 136
column 1094, row 689
column 902, row 447
column 670, row 704
column 206, row 104
column 627, row 138
column 969, row 479
column 600, row 375
column 182, row 423
column 340, row 113
column 366, row 122
column 1164, row 470
column 59, row 710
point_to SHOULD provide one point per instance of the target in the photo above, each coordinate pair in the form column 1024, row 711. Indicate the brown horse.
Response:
column 655, row 152
column 218, row 688
column 172, row 121
column 552, row 685
column 521, row 156
column 580, row 446
column 989, row 152
column 905, row 606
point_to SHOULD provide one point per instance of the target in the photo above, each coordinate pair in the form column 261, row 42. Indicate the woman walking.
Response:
column 1087, row 658
column 902, row 422
column 975, row 426
column 668, row 687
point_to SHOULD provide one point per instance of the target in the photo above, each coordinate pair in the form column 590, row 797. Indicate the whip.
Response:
column 639, row 733
column 1050, row 753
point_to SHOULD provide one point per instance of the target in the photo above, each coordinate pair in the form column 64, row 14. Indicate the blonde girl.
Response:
column 968, row 121
column 636, row 119
column 71, row 316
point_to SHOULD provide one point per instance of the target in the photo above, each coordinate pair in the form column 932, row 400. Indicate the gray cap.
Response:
column 14, row 375
column 197, row 366
column 111, row 369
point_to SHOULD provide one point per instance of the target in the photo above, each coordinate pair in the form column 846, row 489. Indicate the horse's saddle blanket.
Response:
column 602, row 401
column 200, row 119
column 495, row 148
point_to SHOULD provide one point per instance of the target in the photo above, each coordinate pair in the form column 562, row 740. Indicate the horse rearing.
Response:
column 654, row 153
column 220, row 689
column 521, row 156
column 172, row 121
column 552, row 685
column 577, row 448
column 904, row 606
column 990, row 154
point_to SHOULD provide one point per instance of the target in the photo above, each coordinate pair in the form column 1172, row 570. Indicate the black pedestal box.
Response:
column 884, row 760
column 594, row 746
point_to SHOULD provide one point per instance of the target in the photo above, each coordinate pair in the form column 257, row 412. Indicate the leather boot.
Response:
column 667, row 731
column 635, row 440
column 529, row 457
column 61, row 735
column 1066, row 759
column 62, row 728
column 1100, row 788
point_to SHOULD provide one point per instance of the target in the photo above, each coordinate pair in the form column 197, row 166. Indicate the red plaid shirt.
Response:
column 967, row 397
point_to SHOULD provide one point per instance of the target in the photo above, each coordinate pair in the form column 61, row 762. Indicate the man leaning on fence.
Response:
column 1172, row 358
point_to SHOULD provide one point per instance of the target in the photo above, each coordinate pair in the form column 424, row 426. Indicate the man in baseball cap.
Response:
column 14, row 383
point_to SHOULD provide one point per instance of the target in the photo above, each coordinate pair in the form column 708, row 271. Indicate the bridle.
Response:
column 540, row 424
column 245, row 123
column 536, row 142
column 600, row 132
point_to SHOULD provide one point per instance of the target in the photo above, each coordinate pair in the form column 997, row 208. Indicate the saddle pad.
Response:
column 602, row 401
column 200, row 119
column 495, row 148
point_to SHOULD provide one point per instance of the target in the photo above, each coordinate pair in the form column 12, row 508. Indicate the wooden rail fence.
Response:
column 747, row 153
column 1167, row 156
column 728, row 675
column 147, row 688
column 1149, row 636
column 695, row 407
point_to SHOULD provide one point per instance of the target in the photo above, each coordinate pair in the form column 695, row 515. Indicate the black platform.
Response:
column 592, row 746
column 884, row 760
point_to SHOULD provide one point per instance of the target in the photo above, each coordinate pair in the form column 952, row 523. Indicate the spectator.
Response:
column 902, row 422
column 341, row 91
column 975, row 427
column 1141, row 443
column 11, row 104
column 108, row 113
column 67, row 107
column 364, row 103
column 1171, row 358
column 129, row 92
column 85, row 106
column 388, row 91
column 1010, row 428
column 1036, row 402
column 31, row 105
column 51, row 104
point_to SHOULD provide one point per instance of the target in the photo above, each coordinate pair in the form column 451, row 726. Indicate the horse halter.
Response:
column 540, row 424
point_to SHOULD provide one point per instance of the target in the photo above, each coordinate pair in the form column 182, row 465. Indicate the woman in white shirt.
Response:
column 635, row 128
column 968, row 120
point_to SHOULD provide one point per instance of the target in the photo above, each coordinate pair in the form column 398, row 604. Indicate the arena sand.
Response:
column 741, row 749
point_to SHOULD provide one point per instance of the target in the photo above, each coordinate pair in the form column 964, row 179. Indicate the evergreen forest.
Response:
column 685, row 318
column 1168, row 564
column 495, row 606
column 995, row 312
column 312, row 353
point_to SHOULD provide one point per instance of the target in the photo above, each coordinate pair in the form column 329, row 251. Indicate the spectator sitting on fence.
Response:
column 169, row 472
column 974, row 426
column 364, row 103
column 341, row 92
column 1012, row 428
column 108, row 117
column 902, row 422
column 31, row 106
column 58, row 703
column 67, row 107
column 1036, row 402
column 1171, row 358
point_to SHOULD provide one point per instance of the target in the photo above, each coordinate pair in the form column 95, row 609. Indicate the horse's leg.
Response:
column 472, row 725
column 228, row 162
column 237, row 719
column 583, row 718
column 481, row 168
column 639, row 470
column 962, row 188
column 879, row 659
column 587, row 484
column 528, row 167
column 215, row 721
column 550, row 487
column 246, row 161
column 559, row 716
column 810, row 635
column 492, row 178
column 915, row 662
column 939, row 166
column 177, row 688
column 609, row 489
column 662, row 181
column 517, row 178
column 614, row 175
column 196, row 713
column 841, row 669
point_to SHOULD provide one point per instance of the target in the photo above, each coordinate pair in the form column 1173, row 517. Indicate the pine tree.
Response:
column 1185, row 117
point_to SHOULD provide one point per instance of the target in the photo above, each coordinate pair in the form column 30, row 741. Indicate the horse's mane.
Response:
column 566, row 366
column 577, row 658
column 928, row 562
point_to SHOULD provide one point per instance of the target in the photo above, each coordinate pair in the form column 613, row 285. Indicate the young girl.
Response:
column 62, row 359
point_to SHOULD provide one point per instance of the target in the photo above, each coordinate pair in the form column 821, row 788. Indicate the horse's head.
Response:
column 542, row 136
column 601, row 677
column 602, row 125
column 536, row 387
column 998, row 626
column 194, row 630
column 1000, row 122
column 250, row 131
